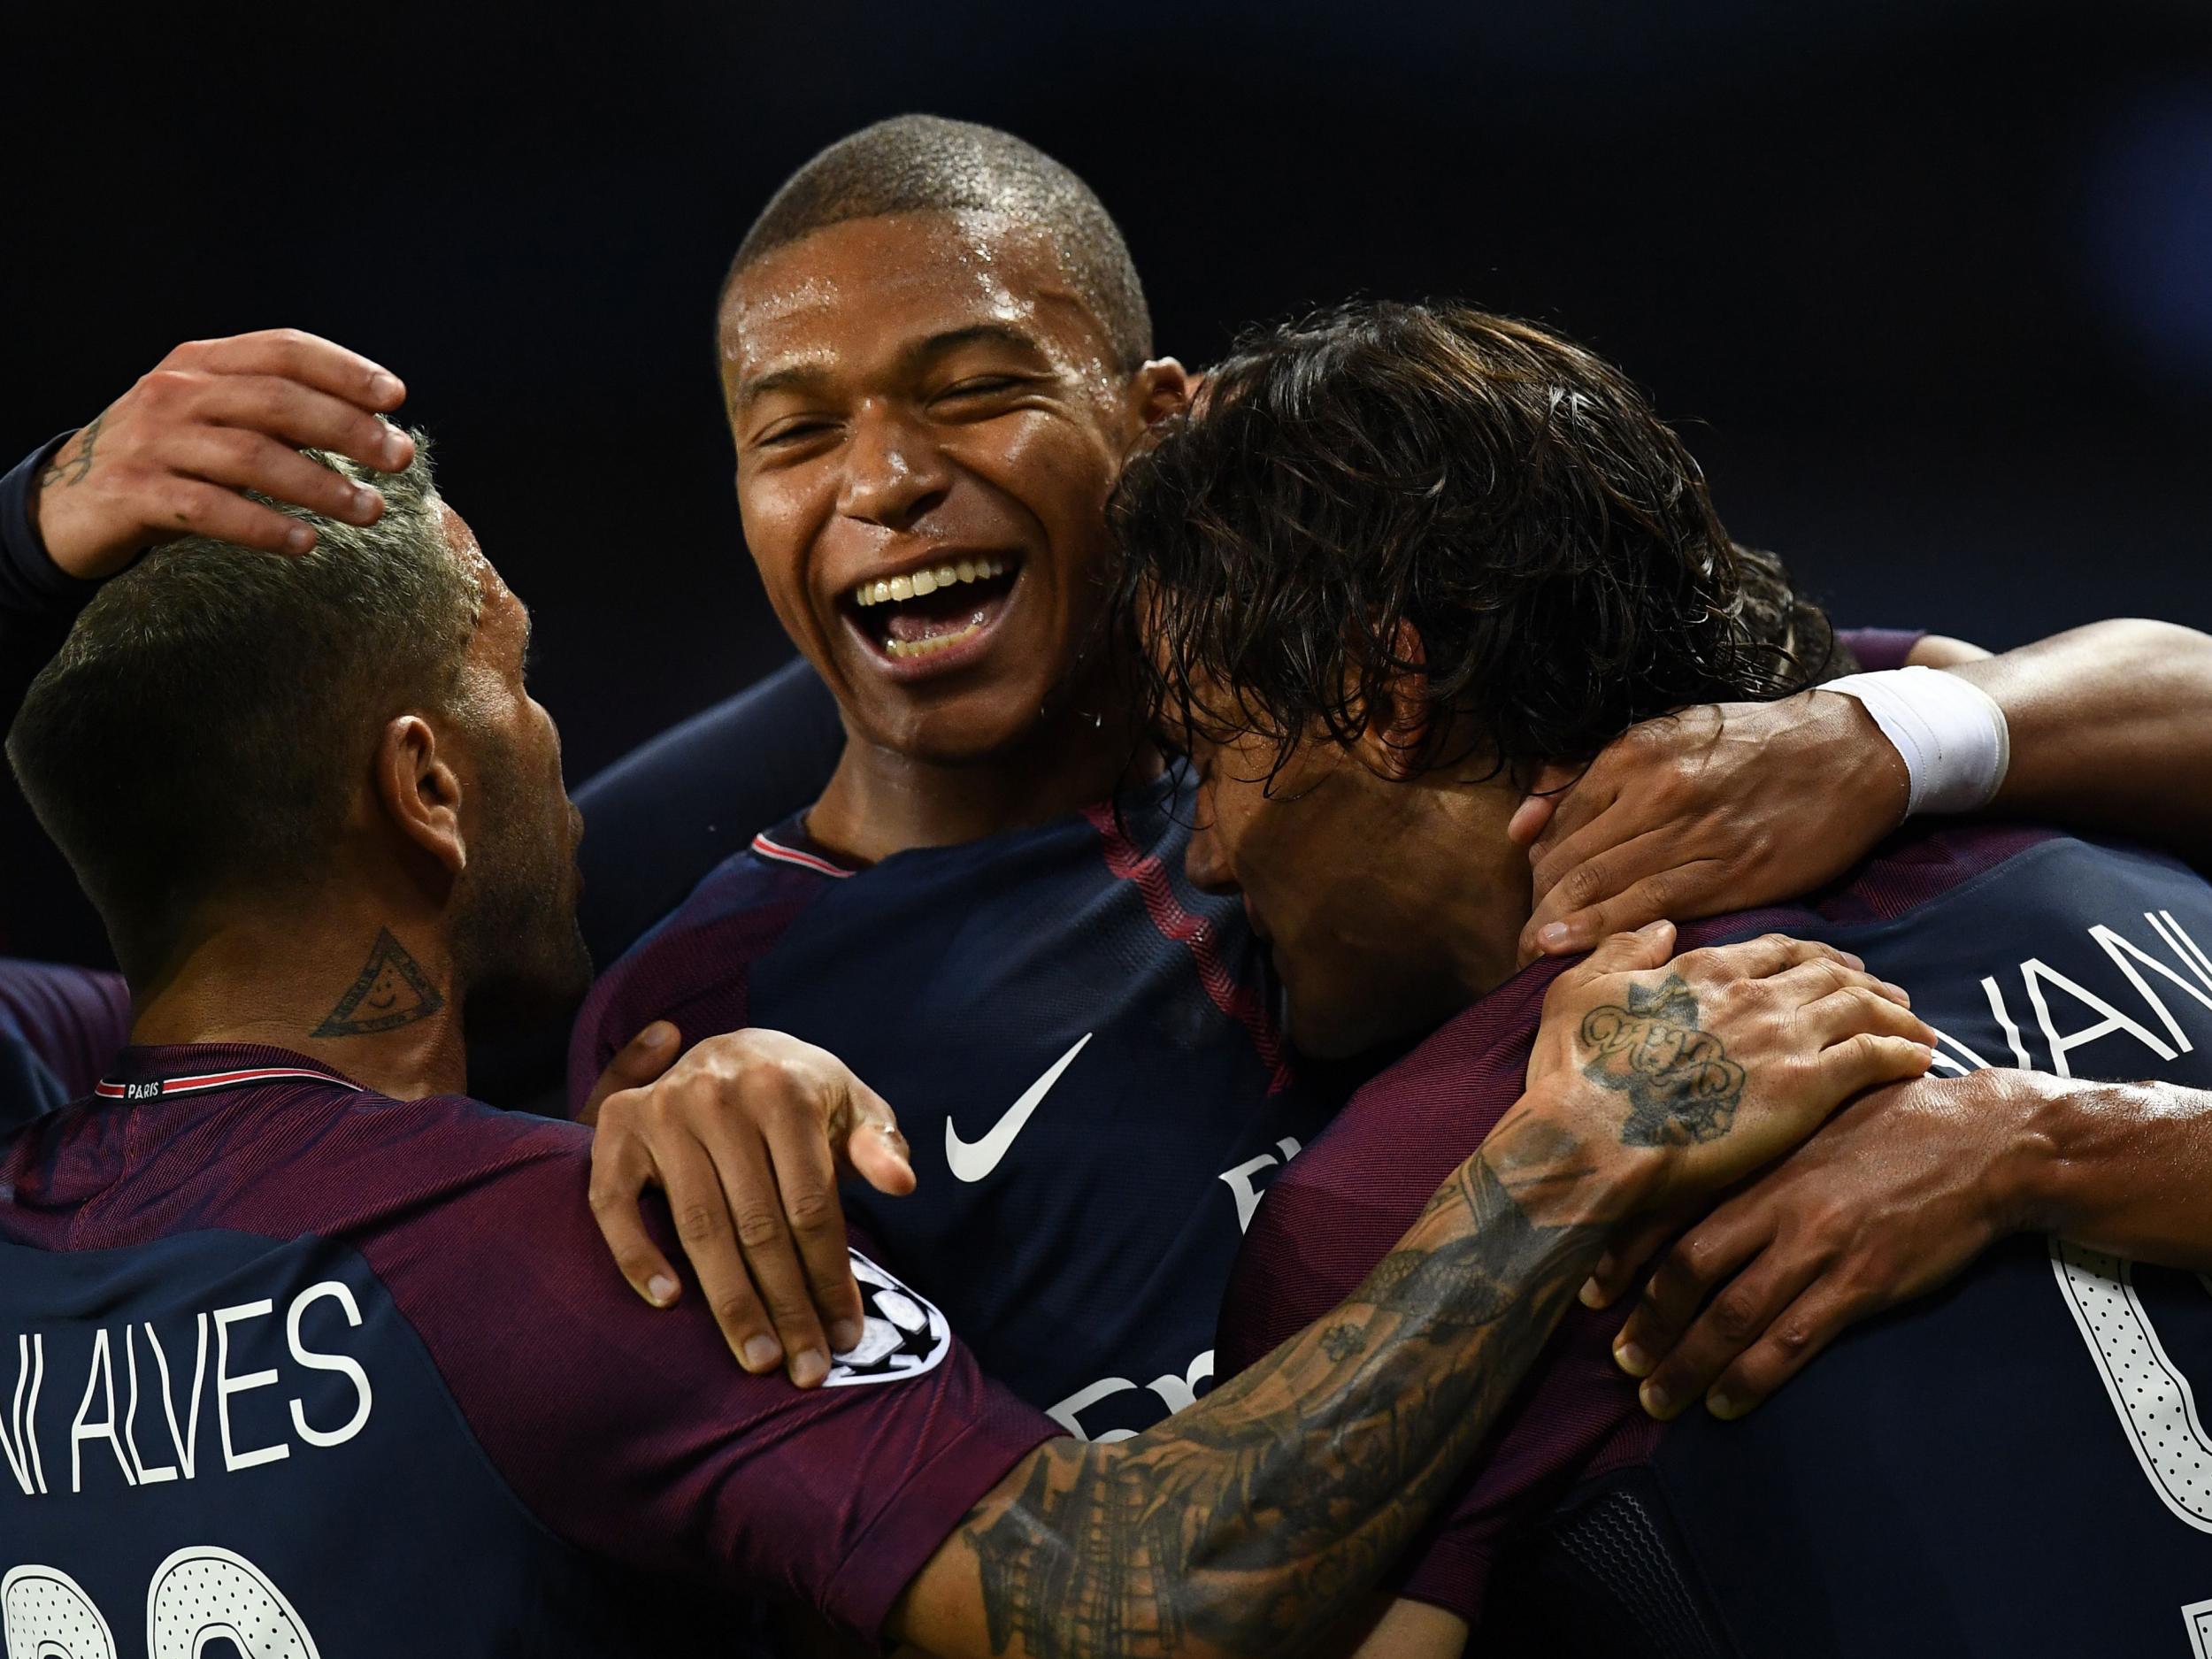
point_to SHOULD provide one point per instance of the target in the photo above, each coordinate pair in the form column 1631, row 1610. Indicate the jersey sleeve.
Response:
column 38, row 601
column 1879, row 648
column 631, row 1431
column 69, row 1022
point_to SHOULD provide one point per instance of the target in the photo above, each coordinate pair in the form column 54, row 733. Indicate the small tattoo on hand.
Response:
column 1680, row 1083
column 69, row 470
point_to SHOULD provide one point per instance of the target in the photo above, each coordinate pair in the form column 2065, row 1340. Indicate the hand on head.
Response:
column 215, row 418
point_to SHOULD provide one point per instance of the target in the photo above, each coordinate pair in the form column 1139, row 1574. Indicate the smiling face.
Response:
column 929, row 420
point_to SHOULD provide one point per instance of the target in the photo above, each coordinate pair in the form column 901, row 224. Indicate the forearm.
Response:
column 37, row 602
column 1258, row 1519
column 2111, row 728
column 2123, row 1167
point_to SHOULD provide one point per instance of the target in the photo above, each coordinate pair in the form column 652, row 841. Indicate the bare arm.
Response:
column 1727, row 806
column 2123, row 1167
column 2111, row 729
column 1257, row 1521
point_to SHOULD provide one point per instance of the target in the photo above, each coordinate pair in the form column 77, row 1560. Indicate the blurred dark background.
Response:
column 1929, row 287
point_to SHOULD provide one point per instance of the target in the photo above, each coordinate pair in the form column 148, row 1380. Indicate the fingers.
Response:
column 1625, row 1258
column 1680, row 1363
column 1760, row 958
column 873, row 1148
column 304, row 417
column 240, row 459
column 1861, row 1008
column 1792, row 1338
column 643, row 1059
column 1530, row 817
column 295, row 355
column 778, row 1283
column 1687, row 890
column 700, row 1203
column 806, row 1180
column 1869, row 1060
column 1647, row 948
column 1579, row 796
column 187, row 506
column 621, row 1172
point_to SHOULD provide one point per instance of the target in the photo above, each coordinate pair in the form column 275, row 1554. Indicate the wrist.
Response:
column 1560, row 1173
column 2035, row 1179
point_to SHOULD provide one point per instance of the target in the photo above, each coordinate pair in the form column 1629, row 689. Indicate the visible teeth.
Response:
column 900, row 650
column 928, row 582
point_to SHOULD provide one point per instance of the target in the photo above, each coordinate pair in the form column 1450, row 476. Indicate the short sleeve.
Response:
column 1877, row 649
column 68, row 1022
column 631, row 1431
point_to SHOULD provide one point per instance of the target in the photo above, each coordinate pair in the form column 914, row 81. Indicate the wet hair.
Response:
column 206, row 725
column 1507, row 493
column 923, row 163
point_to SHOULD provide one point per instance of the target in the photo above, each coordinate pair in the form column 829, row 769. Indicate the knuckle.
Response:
column 1694, row 1261
column 1584, row 885
column 1735, row 1315
column 1793, row 1338
column 734, row 1308
column 699, row 1222
column 758, row 1228
column 811, row 1211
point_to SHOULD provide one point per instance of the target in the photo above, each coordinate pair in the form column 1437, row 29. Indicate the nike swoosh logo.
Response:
column 972, row 1161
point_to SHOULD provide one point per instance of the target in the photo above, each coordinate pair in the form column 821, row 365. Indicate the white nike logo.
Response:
column 972, row 1161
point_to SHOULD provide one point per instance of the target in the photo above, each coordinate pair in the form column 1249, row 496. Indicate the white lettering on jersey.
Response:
column 1245, row 1190
column 227, row 1386
column 1177, row 1393
column 22, row 1447
column 83, row 1428
column 46, row 1612
column 973, row 1161
column 98, row 1418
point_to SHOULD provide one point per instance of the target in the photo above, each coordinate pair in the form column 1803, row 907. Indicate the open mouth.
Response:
column 924, row 613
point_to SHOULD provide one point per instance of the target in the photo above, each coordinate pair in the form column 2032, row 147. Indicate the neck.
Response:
column 880, row 801
column 1461, row 884
column 373, row 1001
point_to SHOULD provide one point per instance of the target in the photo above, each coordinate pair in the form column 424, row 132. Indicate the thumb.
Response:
column 873, row 1146
column 1648, row 947
column 643, row 1059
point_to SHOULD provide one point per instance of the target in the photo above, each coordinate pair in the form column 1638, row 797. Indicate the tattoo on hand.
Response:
column 1680, row 1083
column 1263, row 1515
column 390, row 991
column 69, row 470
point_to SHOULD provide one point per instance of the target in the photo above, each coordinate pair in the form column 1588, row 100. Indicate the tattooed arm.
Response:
column 1259, row 1519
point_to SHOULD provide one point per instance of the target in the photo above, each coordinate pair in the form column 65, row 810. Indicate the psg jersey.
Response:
column 1081, row 1053
column 289, row 1364
column 2015, row 1466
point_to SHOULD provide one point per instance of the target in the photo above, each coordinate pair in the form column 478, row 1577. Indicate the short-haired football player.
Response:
column 312, row 1352
column 1399, row 560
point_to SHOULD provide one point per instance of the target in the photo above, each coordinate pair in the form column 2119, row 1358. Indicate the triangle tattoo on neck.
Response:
column 390, row 991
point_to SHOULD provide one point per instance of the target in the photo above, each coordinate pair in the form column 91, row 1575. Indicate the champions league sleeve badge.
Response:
column 901, row 1335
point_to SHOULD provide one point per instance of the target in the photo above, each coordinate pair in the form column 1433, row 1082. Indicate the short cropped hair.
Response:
column 206, row 725
column 1507, row 493
column 923, row 163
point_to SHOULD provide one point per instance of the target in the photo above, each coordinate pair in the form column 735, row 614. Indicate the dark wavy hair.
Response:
column 1509, row 494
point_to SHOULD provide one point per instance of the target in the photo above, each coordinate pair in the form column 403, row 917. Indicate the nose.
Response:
column 895, row 473
column 1205, row 863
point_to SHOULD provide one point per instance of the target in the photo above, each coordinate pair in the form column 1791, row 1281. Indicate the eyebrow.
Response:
column 801, row 377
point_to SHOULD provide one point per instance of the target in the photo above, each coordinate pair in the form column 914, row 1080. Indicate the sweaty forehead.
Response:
column 850, row 292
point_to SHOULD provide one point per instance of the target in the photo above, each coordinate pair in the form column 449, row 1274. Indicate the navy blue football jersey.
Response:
column 291, row 1365
column 1081, row 1051
column 2015, row 1466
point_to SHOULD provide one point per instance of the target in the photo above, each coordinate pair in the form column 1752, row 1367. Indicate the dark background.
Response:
column 1929, row 287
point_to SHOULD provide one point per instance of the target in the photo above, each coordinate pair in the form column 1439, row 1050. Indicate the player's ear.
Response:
column 1398, row 721
column 1159, row 390
column 419, row 792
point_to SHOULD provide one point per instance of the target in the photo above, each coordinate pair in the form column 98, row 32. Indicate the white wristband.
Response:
column 1950, row 734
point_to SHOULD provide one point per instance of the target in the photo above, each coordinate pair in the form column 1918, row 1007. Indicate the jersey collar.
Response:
column 156, row 1073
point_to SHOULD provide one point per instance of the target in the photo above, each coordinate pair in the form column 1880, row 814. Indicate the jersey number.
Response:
column 197, row 1596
